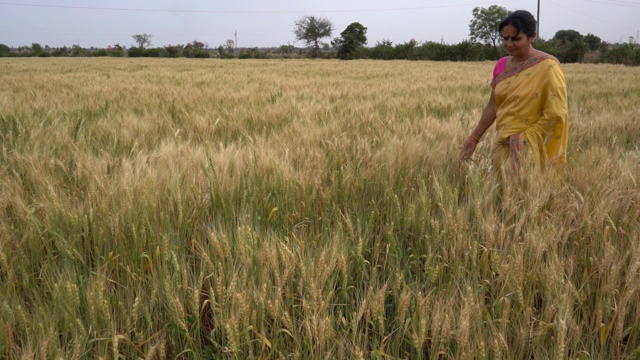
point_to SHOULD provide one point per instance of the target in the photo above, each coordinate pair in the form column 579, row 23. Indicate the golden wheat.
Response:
column 271, row 209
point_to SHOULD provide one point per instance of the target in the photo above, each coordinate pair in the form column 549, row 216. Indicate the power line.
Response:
column 103, row 32
column 623, row 2
column 616, row 3
column 245, row 11
column 589, row 16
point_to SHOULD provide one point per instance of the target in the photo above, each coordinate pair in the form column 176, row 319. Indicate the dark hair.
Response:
column 522, row 20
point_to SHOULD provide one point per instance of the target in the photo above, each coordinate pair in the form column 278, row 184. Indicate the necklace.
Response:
column 523, row 62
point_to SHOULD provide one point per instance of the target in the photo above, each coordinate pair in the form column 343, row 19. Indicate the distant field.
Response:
column 307, row 209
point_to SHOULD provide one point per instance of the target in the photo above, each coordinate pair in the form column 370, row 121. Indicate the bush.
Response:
column 77, row 51
column 60, row 52
column 115, row 51
column 4, row 50
column 174, row 51
column 406, row 51
column 549, row 47
column 252, row 53
column 201, row 54
column 432, row 51
column 154, row 52
column 625, row 54
column 135, row 51
column 382, row 51
column 100, row 52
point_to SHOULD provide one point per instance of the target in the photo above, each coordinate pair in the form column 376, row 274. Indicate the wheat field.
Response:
column 298, row 209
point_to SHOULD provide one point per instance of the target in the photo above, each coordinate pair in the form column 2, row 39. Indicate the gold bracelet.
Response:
column 475, row 139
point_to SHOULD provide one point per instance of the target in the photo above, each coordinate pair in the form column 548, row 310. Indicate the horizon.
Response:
column 94, row 24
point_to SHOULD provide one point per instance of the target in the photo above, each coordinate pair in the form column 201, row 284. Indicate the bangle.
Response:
column 475, row 139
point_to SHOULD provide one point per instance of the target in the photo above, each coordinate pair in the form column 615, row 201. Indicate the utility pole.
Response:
column 538, row 22
column 236, row 43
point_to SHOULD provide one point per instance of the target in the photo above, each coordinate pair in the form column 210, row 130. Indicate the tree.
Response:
column 624, row 54
column 311, row 29
column 173, row 51
column 142, row 40
column 77, row 51
column 548, row 46
column 230, row 46
column 352, row 38
column 594, row 42
column 575, row 52
column 4, row 50
column 116, row 50
column 485, row 23
column 568, row 36
column 286, row 49
column 195, row 49
column 406, row 51
column 37, row 48
column 571, row 46
column 382, row 51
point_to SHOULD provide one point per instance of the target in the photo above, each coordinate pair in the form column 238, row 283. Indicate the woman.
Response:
column 528, row 102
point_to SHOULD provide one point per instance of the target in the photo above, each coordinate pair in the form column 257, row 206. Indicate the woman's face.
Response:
column 518, row 44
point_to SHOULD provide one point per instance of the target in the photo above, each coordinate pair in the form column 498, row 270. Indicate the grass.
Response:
column 306, row 209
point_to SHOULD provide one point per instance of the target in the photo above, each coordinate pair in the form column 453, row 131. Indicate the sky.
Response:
column 254, row 23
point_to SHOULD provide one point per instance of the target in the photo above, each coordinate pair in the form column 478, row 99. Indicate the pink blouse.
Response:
column 501, row 66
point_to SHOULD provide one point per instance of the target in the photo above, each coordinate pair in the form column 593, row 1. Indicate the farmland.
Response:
column 181, row 208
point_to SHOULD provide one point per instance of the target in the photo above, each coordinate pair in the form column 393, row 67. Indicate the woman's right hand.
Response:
column 467, row 149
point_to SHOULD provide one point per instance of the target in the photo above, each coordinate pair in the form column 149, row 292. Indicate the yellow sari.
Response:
column 531, row 114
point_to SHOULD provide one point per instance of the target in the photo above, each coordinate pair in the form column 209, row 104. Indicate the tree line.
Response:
column 569, row 46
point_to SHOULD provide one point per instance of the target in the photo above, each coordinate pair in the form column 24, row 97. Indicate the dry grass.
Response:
column 306, row 209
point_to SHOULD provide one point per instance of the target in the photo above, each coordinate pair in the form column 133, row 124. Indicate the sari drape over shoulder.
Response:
column 531, row 101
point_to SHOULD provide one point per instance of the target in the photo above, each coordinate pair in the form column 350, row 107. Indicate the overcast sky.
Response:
column 100, row 23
